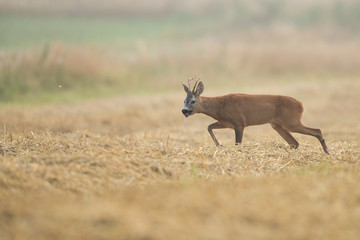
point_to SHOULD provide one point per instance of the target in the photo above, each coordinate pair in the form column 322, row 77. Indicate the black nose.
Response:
column 184, row 111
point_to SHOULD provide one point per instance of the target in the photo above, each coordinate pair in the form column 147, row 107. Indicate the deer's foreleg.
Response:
column 216, row 125
column 238, row 135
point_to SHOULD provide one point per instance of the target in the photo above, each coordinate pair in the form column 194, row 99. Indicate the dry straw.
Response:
column 87, row 177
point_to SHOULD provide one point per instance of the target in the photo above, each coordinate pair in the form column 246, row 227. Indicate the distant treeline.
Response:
column 244, row 13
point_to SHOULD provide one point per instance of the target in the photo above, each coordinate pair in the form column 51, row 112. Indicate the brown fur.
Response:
column 238, row 111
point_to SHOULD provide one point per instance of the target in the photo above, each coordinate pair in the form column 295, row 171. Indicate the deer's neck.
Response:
column 209, row 106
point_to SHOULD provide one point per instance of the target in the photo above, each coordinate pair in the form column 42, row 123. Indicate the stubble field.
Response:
column 82, row 172
column 93, row 144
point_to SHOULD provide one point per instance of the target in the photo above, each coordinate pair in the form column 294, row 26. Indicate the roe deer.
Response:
column 237, row 111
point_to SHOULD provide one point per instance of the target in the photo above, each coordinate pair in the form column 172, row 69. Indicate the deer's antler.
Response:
column 196, row 82
column 195, row 85
column 189, row 82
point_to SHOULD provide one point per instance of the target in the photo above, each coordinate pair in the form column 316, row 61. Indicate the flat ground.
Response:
column 134, row 168
column 93, row 144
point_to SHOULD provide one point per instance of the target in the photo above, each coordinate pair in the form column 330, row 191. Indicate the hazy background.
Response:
column 73, row 50
column 93, row 144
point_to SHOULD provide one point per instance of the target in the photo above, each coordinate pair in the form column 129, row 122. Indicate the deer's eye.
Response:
column 192, row 102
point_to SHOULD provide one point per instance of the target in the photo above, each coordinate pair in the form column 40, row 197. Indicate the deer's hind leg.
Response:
column 300, row 128
column 286, row 135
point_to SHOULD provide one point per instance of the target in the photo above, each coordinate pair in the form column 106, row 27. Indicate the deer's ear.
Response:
column 186, row 89
column 199, row 89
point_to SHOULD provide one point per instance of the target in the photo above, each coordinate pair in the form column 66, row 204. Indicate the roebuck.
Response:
column 237, row 111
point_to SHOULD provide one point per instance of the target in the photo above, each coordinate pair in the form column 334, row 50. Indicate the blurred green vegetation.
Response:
column 28, row 30
column 45, row 58
column 21, row 31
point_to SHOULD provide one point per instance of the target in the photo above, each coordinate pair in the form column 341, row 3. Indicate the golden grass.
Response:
column 134, row 168
column 231, row 60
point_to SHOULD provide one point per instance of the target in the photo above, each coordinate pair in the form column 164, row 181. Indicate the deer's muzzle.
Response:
column 186, row 112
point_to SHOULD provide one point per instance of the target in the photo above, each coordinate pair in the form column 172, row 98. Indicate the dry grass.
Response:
column 90, row 71
column 133, row 168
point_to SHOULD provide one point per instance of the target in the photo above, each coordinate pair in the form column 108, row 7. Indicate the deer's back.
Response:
column 249, row 109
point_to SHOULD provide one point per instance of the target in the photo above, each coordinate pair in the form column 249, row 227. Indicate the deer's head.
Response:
column 192, row 97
